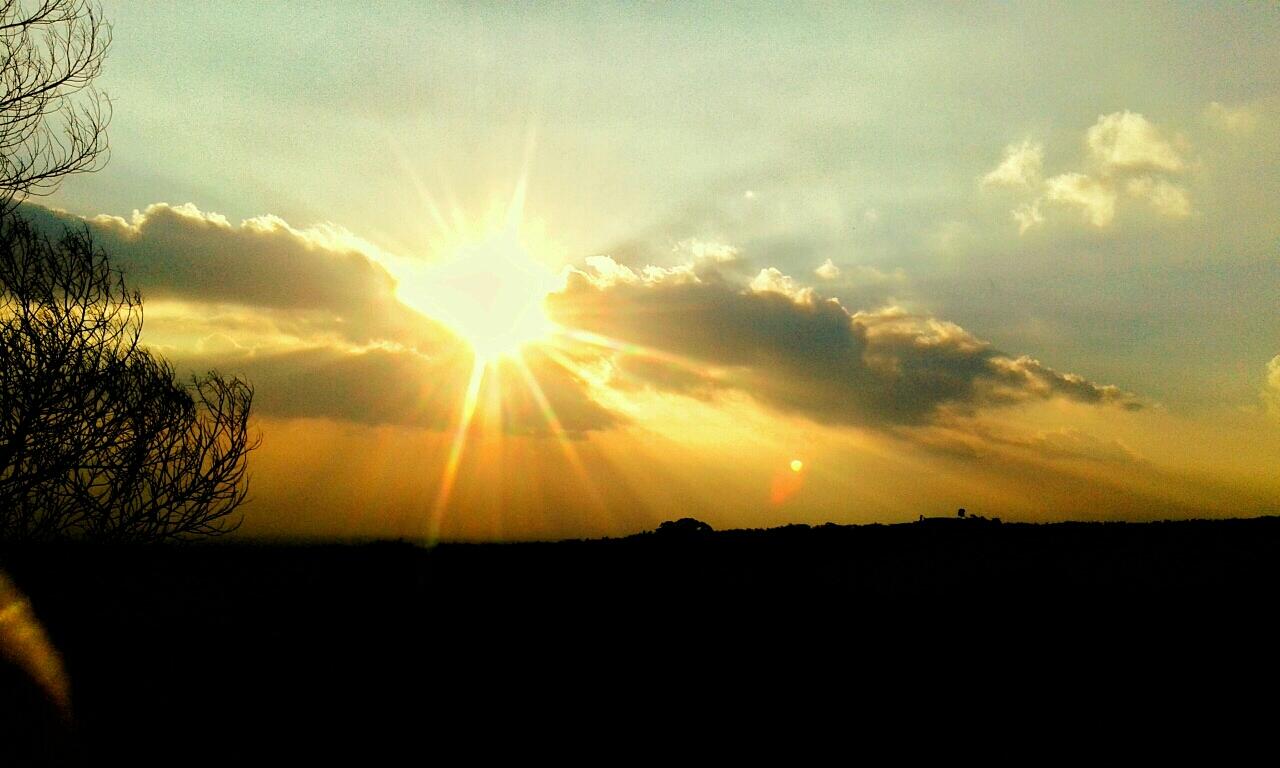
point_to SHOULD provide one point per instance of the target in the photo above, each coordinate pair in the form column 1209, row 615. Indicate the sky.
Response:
column 543, row 271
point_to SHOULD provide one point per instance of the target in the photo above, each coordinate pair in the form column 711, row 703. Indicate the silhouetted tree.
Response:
column 52, row 120
column 685, row 526
column 97, row 437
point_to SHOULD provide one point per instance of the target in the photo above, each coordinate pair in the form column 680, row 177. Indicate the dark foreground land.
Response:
column 218, row 649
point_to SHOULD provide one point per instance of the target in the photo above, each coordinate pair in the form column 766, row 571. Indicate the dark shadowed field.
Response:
column 218, row 649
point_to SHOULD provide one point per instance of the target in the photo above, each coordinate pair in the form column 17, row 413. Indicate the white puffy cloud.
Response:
column 707, row 251
column 1126, row 142
column 607, row 271
column 827, row 270
column 772, row 280
column 1096, row 199
column 1020, row 166
column 696, row 259
column 1127, row 154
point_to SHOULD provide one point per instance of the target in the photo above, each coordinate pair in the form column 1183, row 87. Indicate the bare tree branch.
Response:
column 98, row 439
column 52, row 120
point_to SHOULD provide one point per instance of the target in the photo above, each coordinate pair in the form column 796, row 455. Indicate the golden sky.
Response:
column 557, row 272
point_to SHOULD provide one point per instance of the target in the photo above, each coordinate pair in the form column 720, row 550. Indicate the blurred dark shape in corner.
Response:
column 35, row 699
column 52, row 124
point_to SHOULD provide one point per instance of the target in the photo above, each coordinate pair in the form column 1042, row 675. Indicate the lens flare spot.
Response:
column 797, row 465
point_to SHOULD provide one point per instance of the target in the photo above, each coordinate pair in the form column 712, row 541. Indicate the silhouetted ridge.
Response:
column 343, row 639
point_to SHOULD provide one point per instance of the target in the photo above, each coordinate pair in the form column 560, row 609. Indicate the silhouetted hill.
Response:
column 368, row 643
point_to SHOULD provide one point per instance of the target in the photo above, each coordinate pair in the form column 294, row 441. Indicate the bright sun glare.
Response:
column 490, row 287
column 491, row 292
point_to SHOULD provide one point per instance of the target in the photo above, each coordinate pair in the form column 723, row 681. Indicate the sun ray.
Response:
column 557, row 430
column 560, row 346
column 424, row 195
column 636, row 350
column 515, row 209
column 450, row 474
column 489, row 284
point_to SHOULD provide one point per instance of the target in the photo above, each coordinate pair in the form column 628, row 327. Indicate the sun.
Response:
column 491, row 291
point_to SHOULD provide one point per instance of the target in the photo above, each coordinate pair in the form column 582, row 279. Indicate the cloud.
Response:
column 635, row 372
column 865, row 283
column 1165, row 198
column 313, row 321
column 972, row 439
column 312, row 318
column 1126, row 142
column 798, row 352
column 1096, row 199
column 1271, row 389
column 316, row 281
column 1126, row 154
column 610, row 271
column 403, row 388
column 1075, row 444
column 1237, row 120
column 1028, row 216
column 861, row 285
column 772, row 280
column 1020, row 166
column 706, row 250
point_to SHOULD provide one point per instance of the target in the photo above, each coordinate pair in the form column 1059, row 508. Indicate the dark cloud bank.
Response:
column 805, row 354
column 796, row 351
